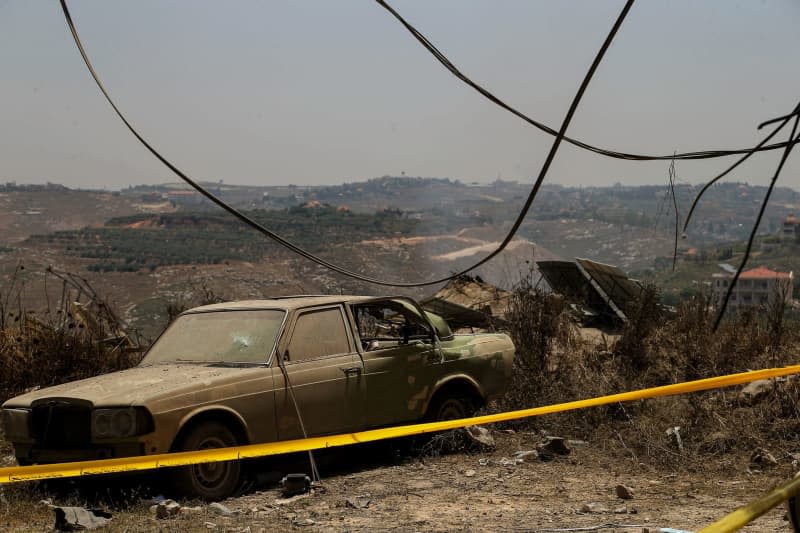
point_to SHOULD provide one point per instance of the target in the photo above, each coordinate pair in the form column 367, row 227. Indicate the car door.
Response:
column 401, row 359
column 323, row 370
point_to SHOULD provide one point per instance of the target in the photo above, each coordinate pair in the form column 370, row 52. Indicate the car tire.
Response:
column 208, row 481
column 450, row 408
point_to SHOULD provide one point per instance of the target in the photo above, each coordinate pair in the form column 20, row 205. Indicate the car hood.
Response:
column 140, row 385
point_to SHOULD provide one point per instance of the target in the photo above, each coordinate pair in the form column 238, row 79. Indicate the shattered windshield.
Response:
column 218, row 337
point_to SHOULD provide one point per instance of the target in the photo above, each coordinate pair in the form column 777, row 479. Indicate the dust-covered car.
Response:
column 224, row 374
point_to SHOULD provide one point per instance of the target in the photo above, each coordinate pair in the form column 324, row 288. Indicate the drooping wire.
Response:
column 451, row 67
column 318, row 260
column 677, row 216
column 783, row 122
column 784, row 157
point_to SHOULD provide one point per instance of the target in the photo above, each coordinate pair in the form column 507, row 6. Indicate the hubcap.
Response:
column 211, row 474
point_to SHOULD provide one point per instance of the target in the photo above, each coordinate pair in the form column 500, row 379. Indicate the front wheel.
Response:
column 208, row 481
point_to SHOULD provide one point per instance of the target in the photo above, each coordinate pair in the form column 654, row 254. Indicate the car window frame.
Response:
column 357, row 334
column 283, row 343
column 272, row 351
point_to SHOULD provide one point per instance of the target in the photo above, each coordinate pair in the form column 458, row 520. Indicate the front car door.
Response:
column 400, row 356
column 324, row 372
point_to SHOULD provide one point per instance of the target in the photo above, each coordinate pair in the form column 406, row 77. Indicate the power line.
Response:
column 559, row 136
column 783, row 121
column 450, row 66
column 753, row 232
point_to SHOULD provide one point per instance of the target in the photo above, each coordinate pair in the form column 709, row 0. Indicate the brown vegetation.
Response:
column 554, row 365
column 78, row 336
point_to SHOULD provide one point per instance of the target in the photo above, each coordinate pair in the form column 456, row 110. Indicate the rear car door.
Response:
column 324, row 373
column 401, row 359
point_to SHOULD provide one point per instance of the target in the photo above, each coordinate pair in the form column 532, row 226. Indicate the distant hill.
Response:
column 146, row 245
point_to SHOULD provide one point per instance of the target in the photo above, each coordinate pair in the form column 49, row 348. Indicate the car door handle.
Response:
column 351, row 370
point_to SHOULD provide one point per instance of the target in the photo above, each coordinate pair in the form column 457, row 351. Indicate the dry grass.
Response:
column 554, row 365
column 78, row 336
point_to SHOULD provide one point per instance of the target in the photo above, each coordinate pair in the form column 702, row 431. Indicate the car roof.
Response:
column 284, row 302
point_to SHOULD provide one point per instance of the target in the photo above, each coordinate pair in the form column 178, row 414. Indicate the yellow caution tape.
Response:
column 150, row 462
column 744, row 515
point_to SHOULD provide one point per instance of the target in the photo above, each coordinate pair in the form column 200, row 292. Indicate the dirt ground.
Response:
column 483, row 491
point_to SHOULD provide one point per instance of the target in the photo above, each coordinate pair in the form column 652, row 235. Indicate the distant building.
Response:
column 758, row 287
column 184, row 197
column 790, row 230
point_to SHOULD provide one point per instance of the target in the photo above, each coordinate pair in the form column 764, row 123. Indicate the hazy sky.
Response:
column 276, row 92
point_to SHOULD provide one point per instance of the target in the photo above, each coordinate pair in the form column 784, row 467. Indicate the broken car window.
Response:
column 219, row 336
column 319, row 333
column 390, row 323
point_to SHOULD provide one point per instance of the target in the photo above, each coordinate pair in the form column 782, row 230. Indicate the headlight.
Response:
column 122, row 422
column 16, row 424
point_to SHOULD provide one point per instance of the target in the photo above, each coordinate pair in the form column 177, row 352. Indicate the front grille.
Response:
column 59, row 424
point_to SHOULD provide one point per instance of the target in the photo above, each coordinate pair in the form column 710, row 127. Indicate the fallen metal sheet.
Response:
column 603, row 290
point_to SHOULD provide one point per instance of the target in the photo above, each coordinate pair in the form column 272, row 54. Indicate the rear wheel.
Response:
column 208, row 481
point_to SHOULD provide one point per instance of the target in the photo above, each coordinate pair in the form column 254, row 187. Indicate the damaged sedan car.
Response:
column 230, row 374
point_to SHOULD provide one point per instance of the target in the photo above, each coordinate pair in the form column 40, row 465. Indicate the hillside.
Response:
column 147, row 246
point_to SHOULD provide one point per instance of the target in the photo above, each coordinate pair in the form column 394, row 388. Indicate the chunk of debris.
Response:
column 480, row 435
column 593, row 507
column 79, row 518
column 624, row 492
column 470, row 473
column 674, row 434
column 526, row 456
column 755, row 391
column 166, row 509
column 220, row 509
column 361, row 501
column 762, row 457
column 294, row 484
column 304, row 522
column 553, row 447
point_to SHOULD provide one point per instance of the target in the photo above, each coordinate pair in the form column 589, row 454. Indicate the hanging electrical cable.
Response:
column 560, row 135
column 765, row 140
column 450, row 66
column 754, row 231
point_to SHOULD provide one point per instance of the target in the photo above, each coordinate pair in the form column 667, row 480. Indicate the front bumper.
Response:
column 35, row 454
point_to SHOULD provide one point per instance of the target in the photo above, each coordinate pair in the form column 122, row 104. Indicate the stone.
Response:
column 218, row 508
column 593, row 507
column 79, row 518
column 470, row 473
column 526, row 456
column 755, row 391
column 624, row 492
column 480, row 435
column 553, row 447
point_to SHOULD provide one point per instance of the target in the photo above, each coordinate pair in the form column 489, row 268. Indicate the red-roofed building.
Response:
column 757, row 287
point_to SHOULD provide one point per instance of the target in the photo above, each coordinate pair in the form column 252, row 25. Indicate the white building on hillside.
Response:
column 758, row 287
